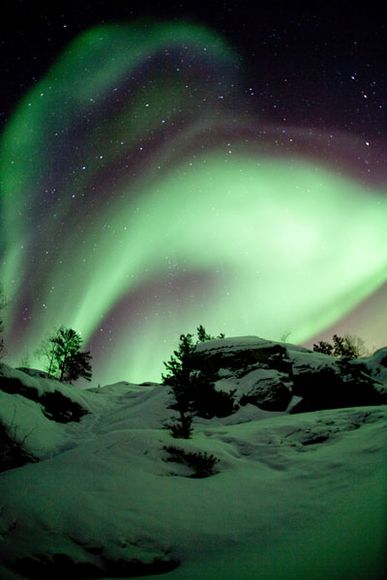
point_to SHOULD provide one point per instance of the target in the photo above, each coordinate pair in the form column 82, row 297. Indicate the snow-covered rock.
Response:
column 375, row 366
column 268, row 389
column 240, row 355
column 58, row 401
column 268, row 374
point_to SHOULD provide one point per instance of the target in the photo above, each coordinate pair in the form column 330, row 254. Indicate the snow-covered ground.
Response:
column 295, row 496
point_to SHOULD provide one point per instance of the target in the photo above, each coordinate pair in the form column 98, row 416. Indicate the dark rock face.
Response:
column 61, row 409
column 269, row 398
column 12, row 453
column 327, row 390
column 275, row 372
column 335, row 385
column 55, row 406
column 15, row 386
column 61, row 566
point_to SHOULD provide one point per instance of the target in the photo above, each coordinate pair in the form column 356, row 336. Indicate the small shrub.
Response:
column 201, row 463
column 342, row 347
column 323, row 347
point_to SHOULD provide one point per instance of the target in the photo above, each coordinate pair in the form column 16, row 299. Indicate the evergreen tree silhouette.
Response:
column 346, row 346
column 194, row 393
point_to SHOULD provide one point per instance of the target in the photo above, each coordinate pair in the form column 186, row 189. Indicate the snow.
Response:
column 263, row 376
column 29, row 426
column 238, row 343
column 375, row 366
column 244, row 343
column 295, row 496
column 35, row 383
column 314, row 360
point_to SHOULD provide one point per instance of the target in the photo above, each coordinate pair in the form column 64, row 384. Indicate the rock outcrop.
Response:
column 31, row 404
column 270, row 374
column 12, row 453
column 55, row 405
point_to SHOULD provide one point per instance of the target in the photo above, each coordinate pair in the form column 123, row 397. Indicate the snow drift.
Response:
column 299, row 489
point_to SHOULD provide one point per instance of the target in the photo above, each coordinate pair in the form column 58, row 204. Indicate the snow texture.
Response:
column 294, row 496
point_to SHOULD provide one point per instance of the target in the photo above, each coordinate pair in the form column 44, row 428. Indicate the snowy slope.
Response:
column 294, row 496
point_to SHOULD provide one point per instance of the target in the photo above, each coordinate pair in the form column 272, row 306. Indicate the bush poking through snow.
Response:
column 201, row 463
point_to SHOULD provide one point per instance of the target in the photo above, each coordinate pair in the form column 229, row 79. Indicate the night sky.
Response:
column 162, row 168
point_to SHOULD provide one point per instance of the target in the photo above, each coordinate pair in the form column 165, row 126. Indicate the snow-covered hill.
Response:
column 295, row 494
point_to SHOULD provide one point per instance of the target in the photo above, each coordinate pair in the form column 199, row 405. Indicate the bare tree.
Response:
column 65, row 360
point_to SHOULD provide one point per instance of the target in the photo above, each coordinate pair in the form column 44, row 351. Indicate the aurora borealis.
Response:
column 142, row 195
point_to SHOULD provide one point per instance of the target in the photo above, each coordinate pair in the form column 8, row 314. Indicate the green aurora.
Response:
column 130, row 217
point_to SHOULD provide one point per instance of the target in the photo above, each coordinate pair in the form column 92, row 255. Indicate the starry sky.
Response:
column 220, row 164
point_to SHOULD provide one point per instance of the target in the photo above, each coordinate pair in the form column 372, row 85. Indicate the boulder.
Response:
column 240, row 355
column 267, row 389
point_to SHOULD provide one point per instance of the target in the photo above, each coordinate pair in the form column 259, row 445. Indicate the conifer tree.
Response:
column 194, row 393
column 203, row 335
column 178, row 378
